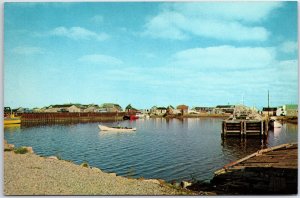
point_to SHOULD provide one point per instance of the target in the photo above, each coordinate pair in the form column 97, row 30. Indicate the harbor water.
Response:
column 174, row 149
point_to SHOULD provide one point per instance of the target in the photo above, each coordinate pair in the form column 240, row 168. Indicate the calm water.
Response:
column 168, row 149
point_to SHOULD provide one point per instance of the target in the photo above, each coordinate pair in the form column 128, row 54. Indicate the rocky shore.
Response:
column 30, row 174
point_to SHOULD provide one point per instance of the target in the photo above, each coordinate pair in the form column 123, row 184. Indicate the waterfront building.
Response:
column 220, row 109
column 183, row 109
column 111, row 107
column 290, row 109
column 153, row 109
column 130, row 109
column 280, row 111
column 203, row 109
column 63, row 108
column 161, row 110
column 92, row 108
column 271, row 111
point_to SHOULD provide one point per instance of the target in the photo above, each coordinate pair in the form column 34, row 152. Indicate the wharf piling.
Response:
column 245, row 122
column 244, row 127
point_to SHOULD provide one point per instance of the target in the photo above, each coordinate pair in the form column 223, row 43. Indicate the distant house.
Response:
column 183, row 109
column 153, row 109
column 144, row 111
column 36, row 110
column 280, row 111
column 203, row 109
column 290, row 109
column 110, row 107
column 161, row 110
column 130, row 109
column 22, row 110
column 63, row 108
column 92, row 108
column 271, row 111
column 219, row 109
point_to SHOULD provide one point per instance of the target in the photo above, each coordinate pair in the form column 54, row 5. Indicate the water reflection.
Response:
column 12, row 127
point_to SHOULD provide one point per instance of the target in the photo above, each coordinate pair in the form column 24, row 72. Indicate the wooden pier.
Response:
column 269, row 171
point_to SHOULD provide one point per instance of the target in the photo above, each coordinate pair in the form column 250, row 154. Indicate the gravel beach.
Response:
column 30, row 174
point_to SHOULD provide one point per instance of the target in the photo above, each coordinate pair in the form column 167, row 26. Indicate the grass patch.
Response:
column 8, row 149
column 21, row 150
column 85, row 164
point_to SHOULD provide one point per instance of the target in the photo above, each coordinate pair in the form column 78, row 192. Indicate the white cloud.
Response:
column 226, row 57
column 78, row 33
column 27, row 50
column 230, row 11
column 100, row 59
column 222, row 20
column 289, row 47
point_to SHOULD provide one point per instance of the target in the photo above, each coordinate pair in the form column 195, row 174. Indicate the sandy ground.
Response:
column 29, row 174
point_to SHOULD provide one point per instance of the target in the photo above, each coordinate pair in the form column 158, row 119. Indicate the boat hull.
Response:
column 105, row 128
column 12, row 121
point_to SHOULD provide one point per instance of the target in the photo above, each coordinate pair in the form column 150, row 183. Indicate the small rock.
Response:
column 53, row 157
column 96, row 169
column 152, row 180
column 29, row 149
column 185, row 184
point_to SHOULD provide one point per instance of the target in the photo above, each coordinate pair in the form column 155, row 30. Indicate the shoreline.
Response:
column 31, row 174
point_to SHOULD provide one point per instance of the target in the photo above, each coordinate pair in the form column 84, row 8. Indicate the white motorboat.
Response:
column 116, row 129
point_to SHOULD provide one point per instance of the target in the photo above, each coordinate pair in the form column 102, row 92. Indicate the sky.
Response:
column 150, row 53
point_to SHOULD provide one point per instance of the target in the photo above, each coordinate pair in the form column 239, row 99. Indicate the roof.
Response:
column 130, row 107
column 110, row 105
column 161, row 108
column 198, row 108
column 269, row 109
column 184, row 107
column 170, row 107
column 61, row 106
column 225, row 106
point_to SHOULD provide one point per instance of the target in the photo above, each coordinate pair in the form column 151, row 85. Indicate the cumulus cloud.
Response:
column 223, row 20
column 289, row 47
column 100, row 59
column 78, row 33
column 226, row 57
column 27, row 50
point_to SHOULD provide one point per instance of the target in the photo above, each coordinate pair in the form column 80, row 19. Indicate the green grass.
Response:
column 85, row 164
column 21, row 150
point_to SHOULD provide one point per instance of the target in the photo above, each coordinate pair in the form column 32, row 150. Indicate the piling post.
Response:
column 262, row 128
column 225, row 128
column 245, row 128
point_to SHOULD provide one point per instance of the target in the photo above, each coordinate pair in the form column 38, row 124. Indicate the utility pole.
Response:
column 268, row 103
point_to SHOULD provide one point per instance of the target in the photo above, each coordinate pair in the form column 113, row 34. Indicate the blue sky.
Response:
column 150, row 53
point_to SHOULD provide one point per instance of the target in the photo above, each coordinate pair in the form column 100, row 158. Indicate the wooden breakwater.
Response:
column 269, row 171
column 61, row 117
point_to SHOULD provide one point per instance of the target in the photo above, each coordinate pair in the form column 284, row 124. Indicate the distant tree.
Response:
column 129, row 107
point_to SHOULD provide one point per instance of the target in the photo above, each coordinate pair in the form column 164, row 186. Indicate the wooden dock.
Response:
column 269, row 171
